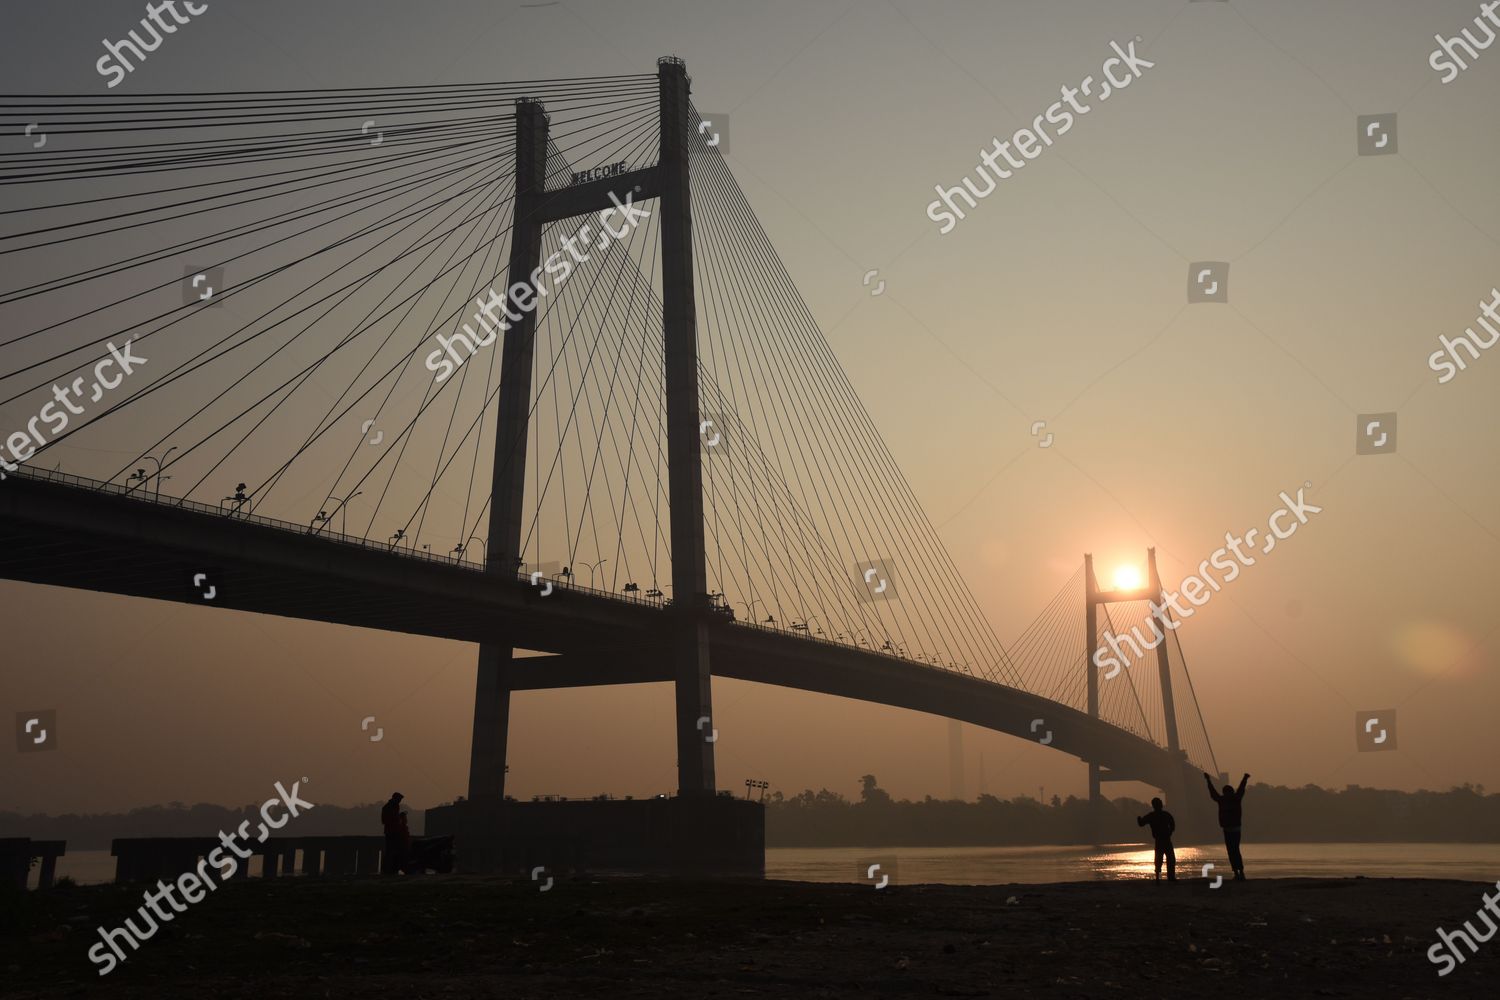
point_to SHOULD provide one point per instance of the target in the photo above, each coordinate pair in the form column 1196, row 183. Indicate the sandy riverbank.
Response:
column 468, row 936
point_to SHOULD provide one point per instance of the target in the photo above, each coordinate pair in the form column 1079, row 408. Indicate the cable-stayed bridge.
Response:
column 509, row 363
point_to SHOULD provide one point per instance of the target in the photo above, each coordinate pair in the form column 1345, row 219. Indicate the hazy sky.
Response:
column 1062, row 297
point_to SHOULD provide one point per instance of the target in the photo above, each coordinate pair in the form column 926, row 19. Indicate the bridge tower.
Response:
column 534, row 207
column 1177, row 795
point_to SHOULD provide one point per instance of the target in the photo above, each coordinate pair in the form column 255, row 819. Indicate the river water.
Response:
column 1005, row 865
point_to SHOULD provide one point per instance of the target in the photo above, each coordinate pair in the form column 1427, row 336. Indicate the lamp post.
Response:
column 159, row 463
column 592, row 567
column 140, row 476
column 239, row 499
column 344, row 516
column 484, row 551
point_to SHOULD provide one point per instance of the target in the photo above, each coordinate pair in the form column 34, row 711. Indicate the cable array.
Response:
column 296, row 269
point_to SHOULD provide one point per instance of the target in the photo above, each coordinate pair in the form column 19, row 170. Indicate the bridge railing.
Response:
column 141, row 494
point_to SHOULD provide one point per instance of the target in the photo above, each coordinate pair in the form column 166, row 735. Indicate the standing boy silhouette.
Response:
column 1162, row 824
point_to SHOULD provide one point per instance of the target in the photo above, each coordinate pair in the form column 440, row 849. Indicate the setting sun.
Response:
column 1127, row 578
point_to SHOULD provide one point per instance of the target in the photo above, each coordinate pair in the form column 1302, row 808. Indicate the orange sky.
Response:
column 1060, row 298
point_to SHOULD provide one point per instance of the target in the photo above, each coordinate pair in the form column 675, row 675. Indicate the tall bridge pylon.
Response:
column 667, row 184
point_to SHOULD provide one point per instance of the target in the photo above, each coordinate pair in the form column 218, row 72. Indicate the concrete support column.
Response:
column 512, row 426
column 690, row 642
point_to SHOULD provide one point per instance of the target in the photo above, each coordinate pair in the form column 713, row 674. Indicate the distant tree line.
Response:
column 1273, row 813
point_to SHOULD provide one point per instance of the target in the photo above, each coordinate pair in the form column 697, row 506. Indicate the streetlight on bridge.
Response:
column 594, row 566
column 140, row 476
column 802, row 626
column 159, row 463
column 239, row 499
column 343, row 518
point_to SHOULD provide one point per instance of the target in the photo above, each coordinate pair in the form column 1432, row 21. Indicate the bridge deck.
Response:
column 69, row 532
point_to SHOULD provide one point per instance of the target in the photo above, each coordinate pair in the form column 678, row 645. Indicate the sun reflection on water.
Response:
column 1141, row 863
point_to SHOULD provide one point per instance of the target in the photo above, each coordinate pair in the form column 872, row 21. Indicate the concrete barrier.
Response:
column 146, row 859
column 15, row 860
column 708, row 835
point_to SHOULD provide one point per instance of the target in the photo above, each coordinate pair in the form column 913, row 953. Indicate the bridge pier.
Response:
column 491, row 723
column 688, row 647
column 512, row 427
column 690, row 643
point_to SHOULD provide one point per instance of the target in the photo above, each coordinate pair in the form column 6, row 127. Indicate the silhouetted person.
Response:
column 1229, row 818
column 1162, row 824
column 395, row 844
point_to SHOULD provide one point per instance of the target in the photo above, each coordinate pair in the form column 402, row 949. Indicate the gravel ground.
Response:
column 472, row 936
